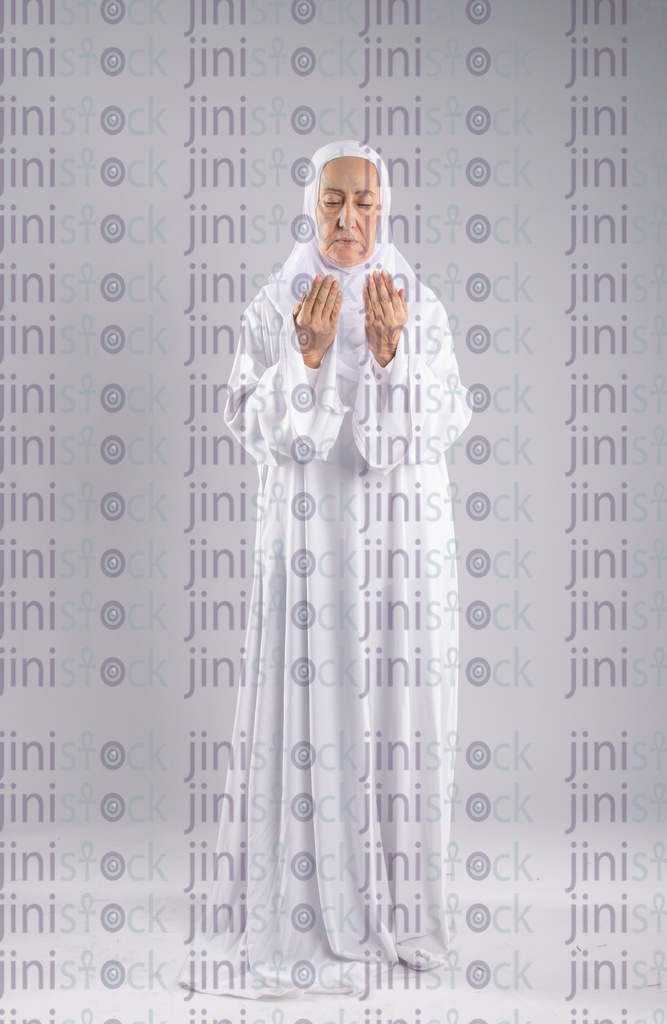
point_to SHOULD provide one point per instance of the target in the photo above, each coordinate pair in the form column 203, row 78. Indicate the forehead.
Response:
column 351, row 173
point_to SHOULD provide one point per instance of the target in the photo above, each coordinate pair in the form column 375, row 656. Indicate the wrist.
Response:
column 382, row 358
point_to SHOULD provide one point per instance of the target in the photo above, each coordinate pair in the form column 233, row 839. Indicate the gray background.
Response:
column 529, row 455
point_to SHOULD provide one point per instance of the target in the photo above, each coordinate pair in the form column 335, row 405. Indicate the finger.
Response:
column 395, row 297
column 367, row 299
column 322, row 296
column 383, row 294
column 337, row 306
column 371, row 298
column 317, row 297
column 307, row 302
column 329, row 289
column 372, row 290
column 389, row 295
column 384, row 284
column 379, row 282
column 377, row 299
column 326, row 285
column 389, row 284
column 330, row 300
column 392, row 294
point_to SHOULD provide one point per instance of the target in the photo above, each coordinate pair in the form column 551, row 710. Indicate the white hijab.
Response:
column 305, row 260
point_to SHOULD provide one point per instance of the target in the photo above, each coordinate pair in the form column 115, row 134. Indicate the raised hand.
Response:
column 386, row 315
column 316, row 318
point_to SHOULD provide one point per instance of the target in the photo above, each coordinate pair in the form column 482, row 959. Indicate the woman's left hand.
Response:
column 386, row 315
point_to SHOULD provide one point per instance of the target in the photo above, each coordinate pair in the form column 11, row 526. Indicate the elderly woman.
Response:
column 334, row 827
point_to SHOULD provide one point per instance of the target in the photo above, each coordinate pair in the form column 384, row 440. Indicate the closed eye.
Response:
column 336, row 202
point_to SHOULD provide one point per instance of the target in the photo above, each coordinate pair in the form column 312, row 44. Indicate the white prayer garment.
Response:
column 331, row 875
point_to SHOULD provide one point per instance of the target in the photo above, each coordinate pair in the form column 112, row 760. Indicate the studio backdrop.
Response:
column 154, row 156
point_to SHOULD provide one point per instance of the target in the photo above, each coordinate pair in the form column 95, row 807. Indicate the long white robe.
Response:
column 335, row 822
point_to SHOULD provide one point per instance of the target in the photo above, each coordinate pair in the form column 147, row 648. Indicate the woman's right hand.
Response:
column 316, row 318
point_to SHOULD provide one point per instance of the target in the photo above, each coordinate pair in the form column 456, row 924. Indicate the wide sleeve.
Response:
column 278, row 408
column 416, row 407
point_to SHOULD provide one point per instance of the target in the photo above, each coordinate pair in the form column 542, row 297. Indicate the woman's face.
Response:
column 348, row 208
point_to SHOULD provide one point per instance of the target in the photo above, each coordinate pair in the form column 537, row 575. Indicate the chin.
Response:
column 345, row 259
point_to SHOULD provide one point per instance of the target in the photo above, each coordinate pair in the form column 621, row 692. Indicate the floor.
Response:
column 529, row 970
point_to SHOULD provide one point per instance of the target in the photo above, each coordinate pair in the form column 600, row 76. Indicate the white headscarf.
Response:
column 305, row 260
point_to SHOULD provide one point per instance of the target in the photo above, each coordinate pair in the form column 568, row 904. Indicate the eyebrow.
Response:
column 359, row 192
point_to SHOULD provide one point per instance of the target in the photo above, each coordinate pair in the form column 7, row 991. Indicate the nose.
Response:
column 346, row 218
